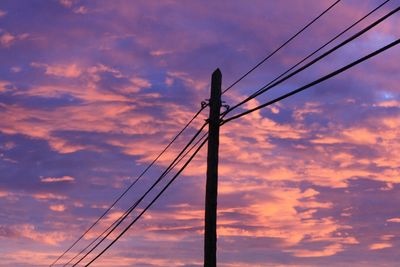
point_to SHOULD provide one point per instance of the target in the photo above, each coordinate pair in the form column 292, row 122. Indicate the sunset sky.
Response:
column 92, row 91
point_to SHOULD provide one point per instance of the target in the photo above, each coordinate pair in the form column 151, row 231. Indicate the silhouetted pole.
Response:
column 210, row 233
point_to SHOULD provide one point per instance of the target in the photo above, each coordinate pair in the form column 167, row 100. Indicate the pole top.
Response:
column 217, row 72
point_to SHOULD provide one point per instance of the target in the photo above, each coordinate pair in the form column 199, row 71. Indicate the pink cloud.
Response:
column 68, row 71
column 16, row 69
column 387, row 237
column 324, row 252
column 4, row 86
column 27, row 256
column 105, row 117
column 48, row 196
column 159, row 53
column 65, row 178
column 377, row 246
column 6, row 39
column 394, row 220
column 187, row 80
column 3, row 194
column 96, row 70
column 29, row 231
column 81, row 10
column 58, row 208
column 276, row 217
column 66, row 3
column 137, row 84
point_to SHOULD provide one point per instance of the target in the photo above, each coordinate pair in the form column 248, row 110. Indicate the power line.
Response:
column 394, row 43
column 112, row 205
column 280, row 47
column 276, row 82
column 261, row 62
column 125, row 214
column 151, row 203
column 145, row 194
column 326, row 77
column 237, row 81
column 132, row 184
column 97, row 238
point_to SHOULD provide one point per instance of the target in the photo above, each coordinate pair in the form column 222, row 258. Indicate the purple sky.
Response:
column 92, row 91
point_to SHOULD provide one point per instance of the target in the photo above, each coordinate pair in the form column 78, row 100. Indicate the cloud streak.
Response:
column 65, row 178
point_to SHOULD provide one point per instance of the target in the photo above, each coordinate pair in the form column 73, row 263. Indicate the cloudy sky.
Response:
column 92, row 91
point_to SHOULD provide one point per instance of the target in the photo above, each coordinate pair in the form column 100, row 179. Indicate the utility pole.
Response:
column 210, row 233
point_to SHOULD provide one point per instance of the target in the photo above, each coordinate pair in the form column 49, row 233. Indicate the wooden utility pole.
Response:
column 210, row 233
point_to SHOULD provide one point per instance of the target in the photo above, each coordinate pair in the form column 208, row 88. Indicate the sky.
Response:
column 92, row 91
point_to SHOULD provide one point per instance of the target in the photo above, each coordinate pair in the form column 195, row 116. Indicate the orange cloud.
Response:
column 278, row 216
column 377, row 246
column 324, row 252
column 388, row 104
column 58, row 208
column 394, row 220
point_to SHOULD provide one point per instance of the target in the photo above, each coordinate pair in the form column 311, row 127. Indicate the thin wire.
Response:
column 112, row 205
column 276, row 82
column 124, row 215
column 97, row 238
column 284, row 44
column 150, row 204
column 326, row 77
column 280, row 47
column 132, row 184
column 145, row 194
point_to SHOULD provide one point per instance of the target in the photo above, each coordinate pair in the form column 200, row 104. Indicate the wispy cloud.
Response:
column 29, row 231
column 378, row 246
column 69, row 71
column 66, row 3
column 65, row 178
column 394, row 220
column 58, row 208
column 7, row 39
